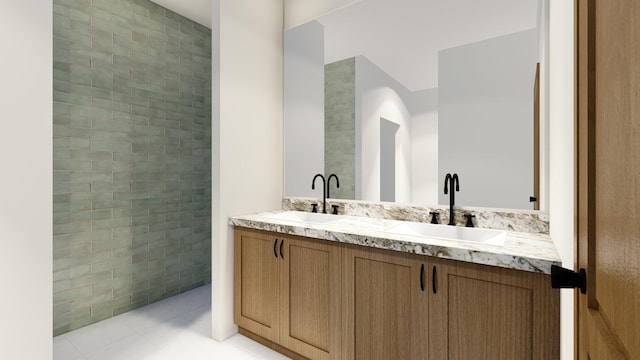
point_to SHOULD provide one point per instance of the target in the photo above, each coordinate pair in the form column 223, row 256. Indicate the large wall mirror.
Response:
column 391, row 95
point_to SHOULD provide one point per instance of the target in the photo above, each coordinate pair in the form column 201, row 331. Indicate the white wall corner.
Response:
column 562, row 154
column 26, row 154
column 247, row 126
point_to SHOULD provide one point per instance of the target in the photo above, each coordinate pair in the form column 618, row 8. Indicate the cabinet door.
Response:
column 385, row 309
column 482, row 312
column 310, row 298
column 256, row 283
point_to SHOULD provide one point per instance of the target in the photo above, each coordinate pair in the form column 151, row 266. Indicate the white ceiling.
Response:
column 196, row 10
column 403, row 37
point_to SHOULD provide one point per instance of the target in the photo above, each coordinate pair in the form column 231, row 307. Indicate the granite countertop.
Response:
column 521, row 251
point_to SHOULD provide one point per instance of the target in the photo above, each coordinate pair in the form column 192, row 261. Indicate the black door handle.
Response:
column 281, row 253
column 566, row 278
column 422, row 277
column 434, row 280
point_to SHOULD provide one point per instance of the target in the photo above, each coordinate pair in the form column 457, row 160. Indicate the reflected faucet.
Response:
column 324, row 191
column 449, row 181
column 329, row 183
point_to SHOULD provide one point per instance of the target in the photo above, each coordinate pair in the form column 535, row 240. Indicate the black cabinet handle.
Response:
column 422, row 277
column 281, row 253
column 275, row 243
column 433, row 280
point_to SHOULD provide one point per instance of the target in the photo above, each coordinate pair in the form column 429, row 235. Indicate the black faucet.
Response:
column 449, row 181
column 324, row 191
column 329, row 183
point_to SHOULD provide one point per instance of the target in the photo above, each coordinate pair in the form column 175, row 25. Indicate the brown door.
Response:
column 608, row 90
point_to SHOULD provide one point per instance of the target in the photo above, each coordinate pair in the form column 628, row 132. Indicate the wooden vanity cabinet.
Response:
column 400, row 306
column 287, row 291
column 384, row 305
column 324, row 300
column 487, row 312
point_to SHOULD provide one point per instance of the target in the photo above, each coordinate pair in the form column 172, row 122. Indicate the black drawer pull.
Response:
column 422, row 277
column 275, row 243
column 434, row 280
column 281, row 253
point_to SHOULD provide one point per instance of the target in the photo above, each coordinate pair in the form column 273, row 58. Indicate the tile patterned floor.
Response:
column 171, row 329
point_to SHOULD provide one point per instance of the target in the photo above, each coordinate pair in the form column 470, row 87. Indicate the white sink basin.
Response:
column 301, row 216
column 481, row 236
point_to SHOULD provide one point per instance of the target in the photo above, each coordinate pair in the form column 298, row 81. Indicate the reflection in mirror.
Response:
column 391, row 95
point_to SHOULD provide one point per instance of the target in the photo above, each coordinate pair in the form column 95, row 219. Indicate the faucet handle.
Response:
column 434, row 217
column 335, row 209
column 314, row 208
column 469, row 219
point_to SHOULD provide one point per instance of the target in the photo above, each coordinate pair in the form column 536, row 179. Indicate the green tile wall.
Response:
column 340, row 125
column 132, row 157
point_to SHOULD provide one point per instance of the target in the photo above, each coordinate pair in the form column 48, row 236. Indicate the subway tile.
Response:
column 130, row 212
column 73, row 204
column 61, row 153
column 140, row 9
column 70, row 228
column 109, row 265
column 117, row 25
column 103, row 81
column 122, row 175
column 60, row 309
column 111, row 244
column 71, row 294
column 115, row 166
column 62, row 96
column 74, row 313
column 72, row 251
column 110, row 105
column 61, row 176
column 111, row 223
column 107, row 202
column 122, row 8
column 132, row 195
column 90, row 175
column 81, row 123
column 69, row 240
column 148, row 122
column 91, row 155
column 110, row 186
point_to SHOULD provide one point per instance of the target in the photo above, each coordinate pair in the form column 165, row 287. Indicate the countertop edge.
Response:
column 487, row 254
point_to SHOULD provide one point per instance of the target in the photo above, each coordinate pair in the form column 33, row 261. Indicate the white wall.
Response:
column 247, row 131
column 26, row 155
column 425, row 185
column 543, row 59
column 380, row 96
column 304, row 107
column 298, row 12
column 485, row 120
column 562, row 154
